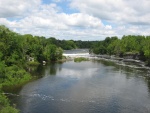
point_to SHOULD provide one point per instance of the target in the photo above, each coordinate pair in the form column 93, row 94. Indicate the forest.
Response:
column 17, row 52
column 133, row 45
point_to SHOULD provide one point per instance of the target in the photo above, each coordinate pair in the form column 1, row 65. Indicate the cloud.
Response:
column 12, row 8
column 48, row 21
column 94, row 19
column 120, row 11
column 81, row 20
column 108, row 27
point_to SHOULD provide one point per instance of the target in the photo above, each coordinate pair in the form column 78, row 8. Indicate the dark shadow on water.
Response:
column 54, row 67
column 40, row 70
column 37, row 71
column 147, row 80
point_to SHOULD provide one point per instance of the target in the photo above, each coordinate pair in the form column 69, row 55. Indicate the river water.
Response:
column 85, row 87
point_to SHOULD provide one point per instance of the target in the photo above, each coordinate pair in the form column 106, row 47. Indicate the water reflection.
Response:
column 54, row 68
column 86, row 73
column 38, row 71
column 147, row 80
column 86, row 87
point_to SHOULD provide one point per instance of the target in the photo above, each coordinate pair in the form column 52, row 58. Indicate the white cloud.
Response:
column 81, row 20
column 108, row 27
column 95, row 20
column 48, row 21
column 12, row 8
column 120, row 11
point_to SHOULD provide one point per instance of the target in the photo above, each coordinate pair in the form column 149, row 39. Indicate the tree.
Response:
column 146, row 49
column 50, row 53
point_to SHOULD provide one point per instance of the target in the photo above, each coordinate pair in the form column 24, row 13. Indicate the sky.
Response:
column 77, row 19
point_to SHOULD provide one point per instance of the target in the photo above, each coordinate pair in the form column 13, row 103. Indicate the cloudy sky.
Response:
column 77, row 19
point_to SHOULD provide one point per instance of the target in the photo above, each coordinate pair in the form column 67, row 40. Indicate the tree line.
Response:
column 71, row 44
column 130, row 44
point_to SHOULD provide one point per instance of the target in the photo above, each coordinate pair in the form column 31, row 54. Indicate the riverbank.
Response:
column 14, row 77
column 132, row 63
column 119, row 60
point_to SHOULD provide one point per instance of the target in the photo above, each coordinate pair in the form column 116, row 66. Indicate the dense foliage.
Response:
column 84, row 44
column 16, row 48
column 71, row 44
column 139, row 45
column 18, row 51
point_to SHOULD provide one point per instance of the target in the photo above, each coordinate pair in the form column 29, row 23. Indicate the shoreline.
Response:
column 138, row 64
column 124, row 61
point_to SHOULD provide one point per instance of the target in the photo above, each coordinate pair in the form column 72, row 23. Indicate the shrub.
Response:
column 9, row 109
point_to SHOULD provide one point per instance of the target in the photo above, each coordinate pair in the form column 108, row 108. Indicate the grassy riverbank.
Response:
column 12, row 76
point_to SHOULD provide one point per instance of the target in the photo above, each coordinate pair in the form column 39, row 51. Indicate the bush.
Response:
column 15, row 75
column 5, row 106
column 9, row 109
column 3, row 100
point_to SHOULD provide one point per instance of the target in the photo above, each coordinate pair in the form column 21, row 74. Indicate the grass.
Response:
column 31, row 63
column 80, row 59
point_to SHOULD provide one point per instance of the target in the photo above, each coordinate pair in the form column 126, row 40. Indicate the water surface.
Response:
column 86, row 87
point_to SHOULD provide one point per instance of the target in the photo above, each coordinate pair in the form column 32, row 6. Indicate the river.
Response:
column 94, row 86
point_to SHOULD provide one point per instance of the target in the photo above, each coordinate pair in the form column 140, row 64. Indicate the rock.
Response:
column 130, row 55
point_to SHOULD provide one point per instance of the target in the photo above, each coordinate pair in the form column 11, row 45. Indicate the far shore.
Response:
column 120, row 61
